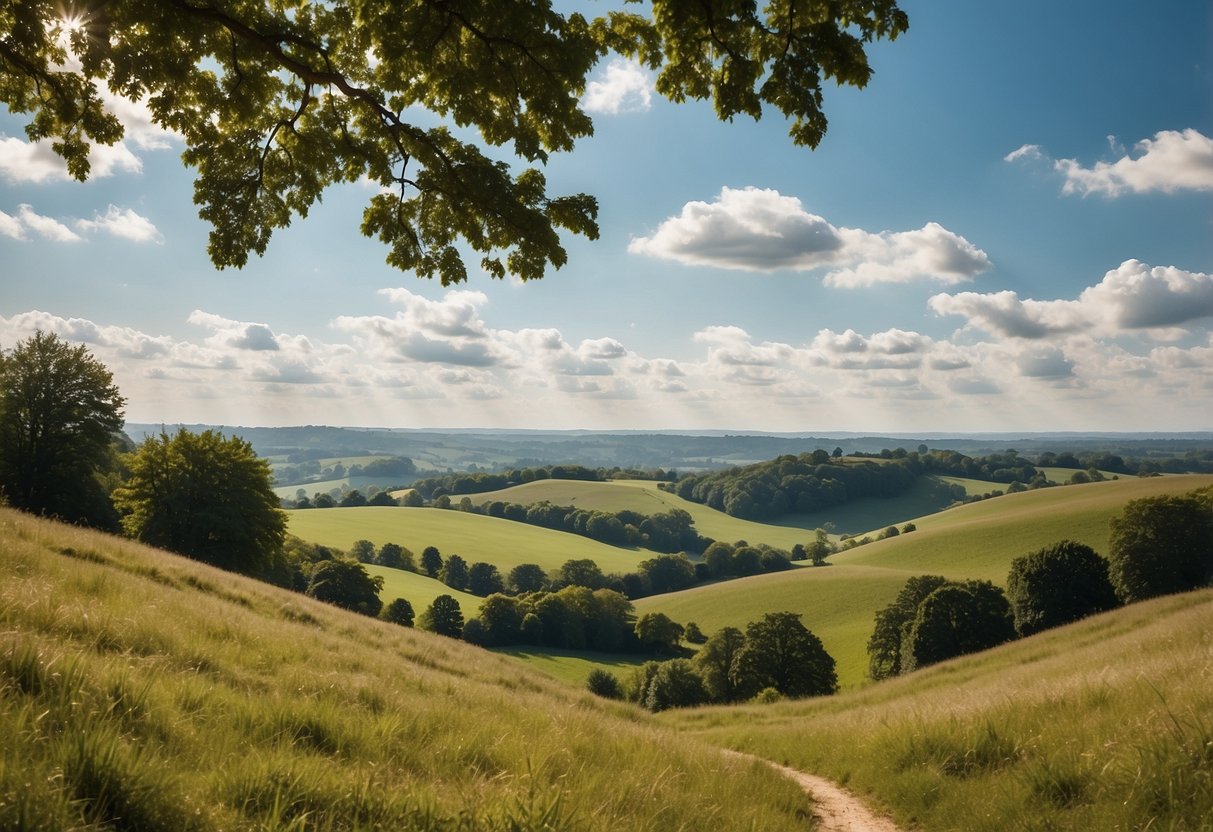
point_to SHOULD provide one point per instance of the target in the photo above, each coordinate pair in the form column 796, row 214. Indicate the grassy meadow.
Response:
column 473, row 537
column 143, row 691
column 1106, row 724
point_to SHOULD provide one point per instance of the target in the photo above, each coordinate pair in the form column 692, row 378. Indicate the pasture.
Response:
column 474, row 537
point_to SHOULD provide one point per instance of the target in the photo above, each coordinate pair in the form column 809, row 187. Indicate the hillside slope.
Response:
column 979, row 540
column 1104, row 724
column 146, row 691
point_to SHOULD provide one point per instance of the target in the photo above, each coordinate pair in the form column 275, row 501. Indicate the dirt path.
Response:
column 835, row 809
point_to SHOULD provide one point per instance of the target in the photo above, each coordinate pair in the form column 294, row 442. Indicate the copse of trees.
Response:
column 60, row 428
column 933, row 619
column 776, row 653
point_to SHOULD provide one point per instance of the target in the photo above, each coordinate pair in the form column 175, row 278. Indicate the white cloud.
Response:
column 1171, row 161
column 1132, row 297
column 1027, row 151
column 761, row 230
column 624, row 87
column 10, row 226
column 1049, row 363
column 123, row 222
column 28, row 219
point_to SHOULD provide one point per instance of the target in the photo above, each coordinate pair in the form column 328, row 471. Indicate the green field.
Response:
column 644, row 496
column 1106, row 724
column 419, row 590
column 978, row 540
column 143, row 691
column 473, row 537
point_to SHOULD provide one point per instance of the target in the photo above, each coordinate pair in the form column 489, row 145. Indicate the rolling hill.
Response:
column 140, row 690
column 1104, row 724
column 978, row 540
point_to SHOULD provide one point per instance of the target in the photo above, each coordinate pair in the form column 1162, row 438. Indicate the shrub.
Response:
column 604, row 683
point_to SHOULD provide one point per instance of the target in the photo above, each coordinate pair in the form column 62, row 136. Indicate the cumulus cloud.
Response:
column 28, row 220
column 624, row 87
column 1172, row 161
column 1045, row 364
column 241, row 335
column 1133, row 296
column 761, row 230
column 893, row 349
column 124, row 223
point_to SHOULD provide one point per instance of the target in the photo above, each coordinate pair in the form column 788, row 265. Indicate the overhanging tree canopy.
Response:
column 278, row 100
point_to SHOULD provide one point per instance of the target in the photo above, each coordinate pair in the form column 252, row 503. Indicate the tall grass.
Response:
column 1105, row 724
column 142, row 691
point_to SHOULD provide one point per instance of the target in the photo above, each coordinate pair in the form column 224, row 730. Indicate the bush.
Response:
column 604, row 683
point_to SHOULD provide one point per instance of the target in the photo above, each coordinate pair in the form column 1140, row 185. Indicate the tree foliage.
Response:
column 277, row 101
column 399, row 611
column 893, row 623
column 347, row 584
column 444, row 617
column 718, row 662
column 1161, row 545
column 59, row 412
column 205, row 497
column 957, row 619
column 782, row 653
column 1056, row 585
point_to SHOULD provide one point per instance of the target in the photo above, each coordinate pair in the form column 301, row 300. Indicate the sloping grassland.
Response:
column 140, row 690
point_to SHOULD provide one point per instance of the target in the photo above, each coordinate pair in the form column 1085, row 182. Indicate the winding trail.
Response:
column 834, row 808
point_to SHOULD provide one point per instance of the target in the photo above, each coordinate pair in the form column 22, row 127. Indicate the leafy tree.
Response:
column 431, row 561
column 668, row 573
column 363, row 551
column 603, row 683
column 353, row 499
column 206, row 497
column 821, row 548
column 501, row 619
column 399, row 611
column 455, row 572
column 527, row 577
column 531, row 631
column 381, row 498
column 443, row 617
column 484, row 579
column 1161, row 545
column 782, row 653
column 59, row 412
column 719, row 559
column 395, row 556
column 747, row 560
column 717, row 663
column 674, row 684
column 1056, row 585
column 693, row 634
column 957, row 619
column 580, row 572
column 658, row 631
column 885, row 647
column 346, row 583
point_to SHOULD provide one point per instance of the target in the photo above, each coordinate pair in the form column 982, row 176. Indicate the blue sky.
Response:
column 1010, row 228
